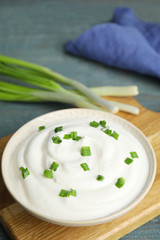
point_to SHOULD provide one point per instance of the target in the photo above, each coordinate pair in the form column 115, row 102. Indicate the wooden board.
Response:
column 21, row 225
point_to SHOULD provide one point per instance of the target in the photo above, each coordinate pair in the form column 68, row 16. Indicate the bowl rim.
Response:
column 95, row 221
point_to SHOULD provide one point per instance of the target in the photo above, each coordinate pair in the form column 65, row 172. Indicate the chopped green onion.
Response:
column 48, row 173
column 56, row 140
column 41, row 128
column 67, row 136
column 25, row 172
column 22, row 168
column 74, row 135
column 120, row 182
column 103, row 123
column 78, row 138
column 73, row 192
column 54, row 166
column 85, row 151
column 85, row 166
column 64, row 193
column 134, row 155
column 94, row 124
column 128, row 161
column 58, row 129
column 100, row 178
column 108, row 131
column 115, row 135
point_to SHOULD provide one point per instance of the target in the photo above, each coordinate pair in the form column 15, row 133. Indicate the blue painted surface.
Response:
column 37, row 31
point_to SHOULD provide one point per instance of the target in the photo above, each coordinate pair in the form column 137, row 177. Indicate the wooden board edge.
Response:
column 6, row 226
column 137, row 221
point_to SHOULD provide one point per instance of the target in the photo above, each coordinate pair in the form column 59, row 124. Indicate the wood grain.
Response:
column 6, row 200
column 21, row 225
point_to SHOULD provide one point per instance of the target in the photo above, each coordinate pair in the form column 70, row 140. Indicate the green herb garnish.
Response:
column 120, row 182
column 73, row 192
column 41, row 128
column 25, row 172
column 78, row 138
column 115, row 135
column 94, row 124
column 54, row 166
column 74, row 135
column 134, row 155
column 66, row 193
column 85, row 151
column 56, row 140
column 128, row 161
column 108, row 131
column 67, row 136
column 100, row 178
column 103, row 123
column 85, row 166
column 48, row 173
column 58, row 129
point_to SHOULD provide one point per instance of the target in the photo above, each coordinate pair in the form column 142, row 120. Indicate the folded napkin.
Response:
column 125, row 43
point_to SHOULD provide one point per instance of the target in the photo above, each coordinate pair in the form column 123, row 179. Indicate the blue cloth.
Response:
column 126, row 43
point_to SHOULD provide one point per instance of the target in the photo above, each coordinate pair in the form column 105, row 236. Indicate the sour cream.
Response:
column 94, row 199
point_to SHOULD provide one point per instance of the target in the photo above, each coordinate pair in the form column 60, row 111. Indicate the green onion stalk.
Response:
column 48, row 88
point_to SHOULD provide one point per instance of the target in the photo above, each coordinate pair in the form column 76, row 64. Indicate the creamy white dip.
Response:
column 94, row 198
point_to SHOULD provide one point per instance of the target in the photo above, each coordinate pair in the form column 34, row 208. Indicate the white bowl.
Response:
column 70, row 114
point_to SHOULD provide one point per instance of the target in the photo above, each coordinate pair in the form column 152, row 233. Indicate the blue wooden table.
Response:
column 37, row 31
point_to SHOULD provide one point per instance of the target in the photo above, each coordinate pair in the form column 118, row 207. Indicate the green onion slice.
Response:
column 54, row 166
column 58, row 129
column 56, row 140
column 115, row 135
column 120, row 182
column 67, row 136
column 48, row 173
column 73, row 192
column 108, row 131
column 103, row 123
column 78, row 138
column 85, row 166
column 25, row 172
column 134, row 155
column 128, row 161
column 74, row 135
column 66, row 193
column 94, row 124
column 41, row 128
column 100, row 178
column 85, row 151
